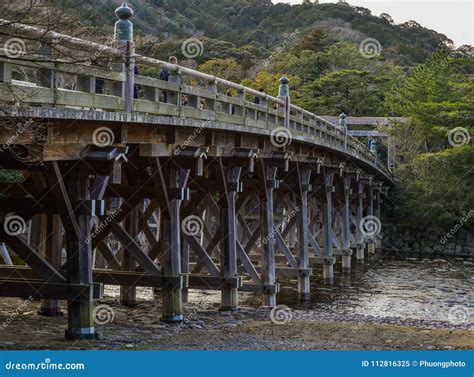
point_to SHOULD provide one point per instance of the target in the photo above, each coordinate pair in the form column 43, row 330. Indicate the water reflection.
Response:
column 394, row 286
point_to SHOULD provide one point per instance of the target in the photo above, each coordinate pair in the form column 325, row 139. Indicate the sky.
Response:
column 453, row 18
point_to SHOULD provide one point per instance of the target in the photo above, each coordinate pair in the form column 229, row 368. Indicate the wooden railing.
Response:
column 48, row 80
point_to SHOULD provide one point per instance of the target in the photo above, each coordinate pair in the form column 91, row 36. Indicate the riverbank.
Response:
column 250, row 328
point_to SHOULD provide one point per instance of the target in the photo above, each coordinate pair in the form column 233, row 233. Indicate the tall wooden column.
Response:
column 360, row 251
column 328, row 265
column 378, row 214
column 170, row 231
column 128, row 295
column 371, row 244
column 302, row 229
column 267, row 234
column 52, row 249
column 228, row 228
column 79, row 255
column 346, row 213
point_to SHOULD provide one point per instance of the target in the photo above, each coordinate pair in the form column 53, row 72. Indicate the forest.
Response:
column 406, row 71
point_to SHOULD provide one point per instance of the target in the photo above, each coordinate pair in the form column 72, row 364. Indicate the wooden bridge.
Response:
column 189, row 185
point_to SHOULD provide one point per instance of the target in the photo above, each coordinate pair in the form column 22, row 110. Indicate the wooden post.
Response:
column 360, row 253
column 185, row 267
column 267, row 234
column 172, row 308
column 124, row 39
column 302, row 226
column 347, row 252
column 228, row 218
column 328, row 266
column 371, row 244
column 79, row 254
column 378, row 214
column 128, row 295
column 52, row 248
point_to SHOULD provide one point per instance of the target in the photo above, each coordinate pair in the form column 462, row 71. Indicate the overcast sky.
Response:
column 453, row 18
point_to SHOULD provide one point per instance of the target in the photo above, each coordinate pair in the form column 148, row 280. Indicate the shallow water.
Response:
column 393, row 286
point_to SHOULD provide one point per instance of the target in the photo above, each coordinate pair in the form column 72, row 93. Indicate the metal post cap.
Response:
column 124, row 12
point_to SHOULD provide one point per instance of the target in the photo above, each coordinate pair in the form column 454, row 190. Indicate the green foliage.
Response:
column 227, row 69
column 436, row 188
column 436, row 98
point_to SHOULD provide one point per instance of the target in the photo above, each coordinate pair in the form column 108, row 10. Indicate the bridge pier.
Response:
column 128, row 294
column 360, row 249
column 346, row 244
column 328, row 263
column 231, row 177
column 371, row 240
column 174, row 190
column 270, row 182
column 304, row 176
column 74, row 186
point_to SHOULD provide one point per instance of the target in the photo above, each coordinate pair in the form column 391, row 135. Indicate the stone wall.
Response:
column 407, row 239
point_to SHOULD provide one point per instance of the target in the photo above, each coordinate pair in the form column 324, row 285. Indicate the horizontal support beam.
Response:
column 38, row 289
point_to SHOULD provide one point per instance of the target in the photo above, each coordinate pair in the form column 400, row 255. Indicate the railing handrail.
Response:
column 21, row 30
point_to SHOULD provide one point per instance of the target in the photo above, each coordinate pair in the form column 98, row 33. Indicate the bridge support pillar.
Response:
column 53, row 247
column 302, row 230
column 347, row 252
column 170, row 231
column 267, row 235
column 328, row 266
column 378, row 239
column 228, row 220
column 360, row 249
column 371, row 244
column 79, row 255
column 128, row 295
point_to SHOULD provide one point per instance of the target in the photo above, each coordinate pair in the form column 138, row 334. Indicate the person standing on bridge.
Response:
column 165, row 75
column 257, row 98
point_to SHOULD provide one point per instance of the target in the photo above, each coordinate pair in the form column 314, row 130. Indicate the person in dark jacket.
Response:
column 135, row 88
column 257, row 99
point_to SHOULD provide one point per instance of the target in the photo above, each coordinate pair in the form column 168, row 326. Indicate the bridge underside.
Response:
column 174, row 208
